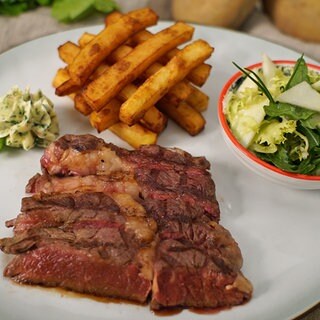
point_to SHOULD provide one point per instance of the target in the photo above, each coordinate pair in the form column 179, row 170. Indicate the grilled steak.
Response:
column 197, row 264
column 85, row 242
column 129, row 224
column 86, row 155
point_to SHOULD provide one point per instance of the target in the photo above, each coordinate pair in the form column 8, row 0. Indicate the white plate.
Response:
column 277, row 228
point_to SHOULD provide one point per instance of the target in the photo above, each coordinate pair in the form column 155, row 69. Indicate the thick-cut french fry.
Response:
column 108, row 85
column 85, row 38
column 184, row 115
column 131, row 73
column 99, row 71
column 179, row 92
column 112, row 18
column 198, row 100
column 68, row 51
column 81, row 105
column 67, row 88
column 60, row 77
column 119, row 53
column 135, row 135
column 155, row 87
column 107, row 40
column 154, row 120
column 106, row 117
column 198, row 75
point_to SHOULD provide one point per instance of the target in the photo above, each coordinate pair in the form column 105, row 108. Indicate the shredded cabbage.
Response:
column 272, row 133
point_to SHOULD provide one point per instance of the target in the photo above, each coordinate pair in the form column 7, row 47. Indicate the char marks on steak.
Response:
column 197, row 264
column 129, row 224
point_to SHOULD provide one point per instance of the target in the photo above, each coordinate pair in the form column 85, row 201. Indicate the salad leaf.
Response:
column 312, row 136
column 2, row 143
column 279, row 109
column 297, row 146
column 299, row 74
column 273, row 133
column 306, row 166
column 311, row 165
column 280, row 159
column 312, row 122
column 245, row 112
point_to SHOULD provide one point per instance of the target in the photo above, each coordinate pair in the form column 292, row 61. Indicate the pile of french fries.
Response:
column 130, row 81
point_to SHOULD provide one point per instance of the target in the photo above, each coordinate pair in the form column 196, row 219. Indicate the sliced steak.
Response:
column 122, row 223
column 58, row 235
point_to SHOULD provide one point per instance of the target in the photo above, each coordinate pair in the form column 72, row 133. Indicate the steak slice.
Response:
column 197, row 265
column 119, row 183
column 63, row 265
column 80, row 155
column 88, row 155
column 85, row 242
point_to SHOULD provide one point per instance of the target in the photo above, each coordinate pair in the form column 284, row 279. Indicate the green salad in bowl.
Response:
column 273, row 110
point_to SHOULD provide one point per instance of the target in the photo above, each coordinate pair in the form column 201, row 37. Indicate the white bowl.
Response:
column 249, row 159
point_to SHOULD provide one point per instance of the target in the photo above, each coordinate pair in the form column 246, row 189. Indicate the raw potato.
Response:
column 223, row 13
column 298, row 18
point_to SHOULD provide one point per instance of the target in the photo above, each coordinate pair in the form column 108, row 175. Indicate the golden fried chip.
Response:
column 155, row 87
column 107, row 40
column 107, row 86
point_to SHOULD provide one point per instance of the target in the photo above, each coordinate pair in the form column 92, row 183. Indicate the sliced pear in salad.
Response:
column 302, row 95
